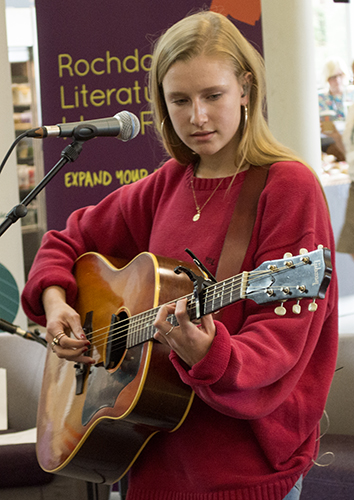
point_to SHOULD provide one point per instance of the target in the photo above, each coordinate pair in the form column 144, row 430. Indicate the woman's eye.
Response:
column 214, row 97
column 179, row 102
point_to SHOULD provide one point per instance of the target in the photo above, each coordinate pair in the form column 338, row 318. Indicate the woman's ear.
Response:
column 246, row 87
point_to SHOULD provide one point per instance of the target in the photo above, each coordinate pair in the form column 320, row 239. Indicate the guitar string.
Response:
column 219, row 286
column 137, row 326
column 148, row 315
column 145, row 315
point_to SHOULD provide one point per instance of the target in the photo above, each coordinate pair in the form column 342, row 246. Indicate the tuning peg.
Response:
column 297, row 307
column 303, row 251
column 280, row 310
column 287, row 255
column 320, row 247
column 313, row 306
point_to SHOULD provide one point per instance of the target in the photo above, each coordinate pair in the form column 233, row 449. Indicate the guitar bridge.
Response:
column 81, row 369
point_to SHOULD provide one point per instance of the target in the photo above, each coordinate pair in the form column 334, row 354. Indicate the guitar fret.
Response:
column 216, row 298
column 232, row 284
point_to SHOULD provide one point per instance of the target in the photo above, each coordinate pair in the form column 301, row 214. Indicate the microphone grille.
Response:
column 130, row 125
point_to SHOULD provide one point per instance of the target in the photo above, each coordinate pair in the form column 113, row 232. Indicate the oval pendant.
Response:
column 196, row 217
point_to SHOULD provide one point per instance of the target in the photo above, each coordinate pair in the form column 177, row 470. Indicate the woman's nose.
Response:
column 199, row 116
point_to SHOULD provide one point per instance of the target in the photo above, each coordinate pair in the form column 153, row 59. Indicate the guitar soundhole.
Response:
column 117, row 340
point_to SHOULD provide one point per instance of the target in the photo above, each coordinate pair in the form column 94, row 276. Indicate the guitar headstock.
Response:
column 306, row 275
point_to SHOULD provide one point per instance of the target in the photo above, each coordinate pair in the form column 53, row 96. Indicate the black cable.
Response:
column 14, row 144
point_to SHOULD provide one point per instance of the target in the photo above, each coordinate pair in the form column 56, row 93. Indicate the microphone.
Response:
column 10, row 328
column 123, row 126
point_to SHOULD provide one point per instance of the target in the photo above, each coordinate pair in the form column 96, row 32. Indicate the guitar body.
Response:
column 98, row 434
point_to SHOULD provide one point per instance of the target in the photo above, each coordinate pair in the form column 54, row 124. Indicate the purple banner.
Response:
column 94, row 62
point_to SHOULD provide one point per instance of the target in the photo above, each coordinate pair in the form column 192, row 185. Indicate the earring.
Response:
column 163, row 135
column 162, row 125
column 245, row 117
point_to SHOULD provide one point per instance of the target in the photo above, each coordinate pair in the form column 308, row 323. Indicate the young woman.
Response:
column 260, row 379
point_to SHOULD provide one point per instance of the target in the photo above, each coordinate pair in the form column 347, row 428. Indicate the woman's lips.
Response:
column 203, row 135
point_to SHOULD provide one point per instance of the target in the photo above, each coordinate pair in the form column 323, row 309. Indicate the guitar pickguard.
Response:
column 105, row 386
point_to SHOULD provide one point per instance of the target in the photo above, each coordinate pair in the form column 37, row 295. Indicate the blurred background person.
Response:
column 334, row 101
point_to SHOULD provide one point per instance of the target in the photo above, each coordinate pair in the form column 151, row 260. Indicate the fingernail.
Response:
column 83, row 336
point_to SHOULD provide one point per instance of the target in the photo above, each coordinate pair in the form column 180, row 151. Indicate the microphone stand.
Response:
column 69, row 154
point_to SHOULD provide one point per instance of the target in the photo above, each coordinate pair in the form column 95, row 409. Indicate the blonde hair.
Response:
column 210, row 33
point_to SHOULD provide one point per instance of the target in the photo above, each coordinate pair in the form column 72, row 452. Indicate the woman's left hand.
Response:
column 189, row 341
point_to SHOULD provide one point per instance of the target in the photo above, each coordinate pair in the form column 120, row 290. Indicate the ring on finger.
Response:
column 170, row 330
column 56, row 340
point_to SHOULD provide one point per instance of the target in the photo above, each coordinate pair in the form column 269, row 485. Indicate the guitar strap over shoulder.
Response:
column 242, row 221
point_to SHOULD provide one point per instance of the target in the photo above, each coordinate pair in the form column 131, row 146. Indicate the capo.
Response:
column 201, row 266
column 199, row 282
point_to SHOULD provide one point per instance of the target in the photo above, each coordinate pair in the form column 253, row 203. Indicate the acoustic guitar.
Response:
column 93, row 422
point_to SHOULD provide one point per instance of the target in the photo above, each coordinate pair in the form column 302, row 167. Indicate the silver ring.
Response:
column 170, row 330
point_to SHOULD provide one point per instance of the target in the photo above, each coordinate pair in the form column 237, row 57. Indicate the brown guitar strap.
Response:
column 241, row 226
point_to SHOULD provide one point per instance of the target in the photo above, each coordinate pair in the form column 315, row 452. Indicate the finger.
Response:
column 67, row 342
column 77, row 355
column 181, row 311
column 74, row 325
column 161, row 317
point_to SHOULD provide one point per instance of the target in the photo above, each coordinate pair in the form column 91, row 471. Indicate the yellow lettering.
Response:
column 76, row 96
column 67, row 179
column 65, row 66
column 109, row 59
column 97, row 179
column 97, row 98
column 88, row 180
column 143, row 122
column 85, row 63
column 135, row 175
column 82, row 177
column 142, row 62
column 119, row 176
column 93, row 64
column 75, row 176
column 146, row 94
column 129, row 176
column 84, row 95
column 62, row 99
column 100, row 66
column 129, row 96
column 137, row 88
column 109, row 93
column 107, row 178
column 134, row 58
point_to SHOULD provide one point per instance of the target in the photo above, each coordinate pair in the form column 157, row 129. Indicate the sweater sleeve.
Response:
column 260, row 361
column 118, row 226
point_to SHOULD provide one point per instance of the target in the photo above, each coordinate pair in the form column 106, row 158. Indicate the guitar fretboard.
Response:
column 213, row 298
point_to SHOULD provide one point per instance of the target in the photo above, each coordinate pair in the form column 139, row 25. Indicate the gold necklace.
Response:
column 199, row 209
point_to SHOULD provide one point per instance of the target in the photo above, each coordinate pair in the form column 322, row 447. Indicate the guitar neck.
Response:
column 213, row 298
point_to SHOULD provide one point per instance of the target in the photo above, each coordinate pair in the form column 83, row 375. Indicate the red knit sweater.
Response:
column 261, row 389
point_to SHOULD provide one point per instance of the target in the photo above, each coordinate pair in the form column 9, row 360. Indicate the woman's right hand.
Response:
column 61, row 318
